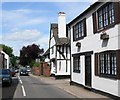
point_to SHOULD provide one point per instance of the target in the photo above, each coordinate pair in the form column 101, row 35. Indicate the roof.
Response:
column 63, row 41
column 54, row 25
column 59, row 41
column 86, row 11
column 47, row 52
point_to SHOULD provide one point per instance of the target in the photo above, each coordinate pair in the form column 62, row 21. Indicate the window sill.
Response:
column 108, row 76
column 80, row 38
column 76, row 71
column 105, row 28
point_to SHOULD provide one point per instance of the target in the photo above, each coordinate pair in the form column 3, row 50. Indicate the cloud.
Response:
column 43, row 41
column 74, row 10
column 27, row 11
column 1, row 39
column 49, row 0
column 21, row 18
column 25, row 35
column 18, row 39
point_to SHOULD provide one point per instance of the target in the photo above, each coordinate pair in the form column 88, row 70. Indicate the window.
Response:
column 79, row 30
column 107, row 61
column 52, row 50
column 59, row 65
column 76, row 64
column 106, row 16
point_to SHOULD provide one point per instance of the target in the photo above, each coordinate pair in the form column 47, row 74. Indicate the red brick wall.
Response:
column 36, row 70
column 44, row 69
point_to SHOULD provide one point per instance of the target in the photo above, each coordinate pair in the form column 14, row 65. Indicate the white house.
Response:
column 59, row 46
column 4, row 60
column 95, row 48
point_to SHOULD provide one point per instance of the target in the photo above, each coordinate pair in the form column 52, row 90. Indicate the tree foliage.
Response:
column 8, row 50
column 29, row 54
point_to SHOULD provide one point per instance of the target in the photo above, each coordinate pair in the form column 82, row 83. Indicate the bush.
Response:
column 32, row 63
column 36, row 64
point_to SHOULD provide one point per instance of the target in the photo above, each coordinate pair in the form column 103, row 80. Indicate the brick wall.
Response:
column 46, row 69
column 36, row 70
column 43, row 69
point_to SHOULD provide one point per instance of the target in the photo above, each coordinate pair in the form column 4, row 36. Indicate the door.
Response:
column 88, row 70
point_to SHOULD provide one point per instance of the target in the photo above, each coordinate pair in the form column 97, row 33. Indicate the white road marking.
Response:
column 21, row 81
column 23, row 90
column 18, row 77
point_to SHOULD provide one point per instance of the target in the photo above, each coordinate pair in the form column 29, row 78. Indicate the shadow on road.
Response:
column 8, row 92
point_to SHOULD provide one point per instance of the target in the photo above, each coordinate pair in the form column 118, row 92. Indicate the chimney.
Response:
column 61, row 24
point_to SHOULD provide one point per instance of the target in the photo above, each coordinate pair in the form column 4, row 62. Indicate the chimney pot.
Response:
column 61, row 13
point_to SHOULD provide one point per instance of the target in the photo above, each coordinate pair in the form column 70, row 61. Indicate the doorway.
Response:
column 88, row 70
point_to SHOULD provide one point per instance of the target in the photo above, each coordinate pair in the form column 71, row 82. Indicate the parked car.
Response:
column 5, row 77
column 28, row 69
column 16, row 70
column 24, row 72
column 12, row 72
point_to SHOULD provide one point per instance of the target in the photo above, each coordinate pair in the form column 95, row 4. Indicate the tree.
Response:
column 8, row 50
column 29, row 54
column 13, row 60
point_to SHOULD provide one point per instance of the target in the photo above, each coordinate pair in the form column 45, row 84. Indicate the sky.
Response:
column 25, row 23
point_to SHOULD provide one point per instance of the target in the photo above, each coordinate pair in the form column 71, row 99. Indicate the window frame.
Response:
column 79, row 30
column 52, row 50
column 105, row 16
column 76, row 64
column 106, row 70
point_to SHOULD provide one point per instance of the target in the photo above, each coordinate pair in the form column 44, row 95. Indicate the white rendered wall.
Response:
column 119, row 88
column 52, row 44
column 61, row 70
column 52, row 68
column 7, row 58
column 79, row 77
column 93, row 43
column 61, row 25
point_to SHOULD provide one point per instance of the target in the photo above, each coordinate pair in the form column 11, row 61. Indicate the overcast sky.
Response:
column 25, row 23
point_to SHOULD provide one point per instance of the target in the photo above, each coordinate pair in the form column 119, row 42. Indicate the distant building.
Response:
column 46, row 56
column 4, row 59
column 59, row 45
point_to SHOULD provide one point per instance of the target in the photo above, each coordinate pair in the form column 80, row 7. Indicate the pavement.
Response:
column 64, row 84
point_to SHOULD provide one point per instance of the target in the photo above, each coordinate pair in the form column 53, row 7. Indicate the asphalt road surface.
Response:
column 30, row 87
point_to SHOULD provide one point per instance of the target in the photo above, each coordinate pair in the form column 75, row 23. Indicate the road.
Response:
column 31, row 87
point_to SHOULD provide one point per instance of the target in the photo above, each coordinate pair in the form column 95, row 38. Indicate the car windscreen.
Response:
column 4, row 72
column 23, row 70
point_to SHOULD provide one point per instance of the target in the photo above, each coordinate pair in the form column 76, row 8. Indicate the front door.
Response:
column 88, row 70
